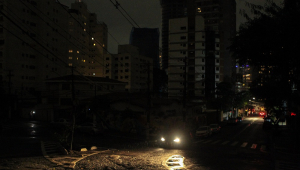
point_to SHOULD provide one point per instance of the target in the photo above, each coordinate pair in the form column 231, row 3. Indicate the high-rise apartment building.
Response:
column 89, row 41
column 34, row 44
column 40, row 40
column 147, row 41
column 130, row 67
column 198, row 58
column 170, row 9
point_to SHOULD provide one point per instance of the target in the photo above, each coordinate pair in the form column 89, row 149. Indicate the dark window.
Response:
column 65, row 86
column 65, row 101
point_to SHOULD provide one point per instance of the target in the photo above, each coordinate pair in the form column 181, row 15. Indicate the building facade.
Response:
column 130, row 67
column 88, row 41
column 40, row 40
column 147, row 41
column 190, row 41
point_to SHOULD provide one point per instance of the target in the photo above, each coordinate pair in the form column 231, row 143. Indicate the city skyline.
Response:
column 147, row 14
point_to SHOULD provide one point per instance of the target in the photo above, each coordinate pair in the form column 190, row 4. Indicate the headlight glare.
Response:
column 177, row 140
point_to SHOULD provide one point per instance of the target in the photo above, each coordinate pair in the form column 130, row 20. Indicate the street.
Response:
column 242, row 146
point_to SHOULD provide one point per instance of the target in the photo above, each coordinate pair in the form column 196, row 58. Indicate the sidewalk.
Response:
column 286, row 148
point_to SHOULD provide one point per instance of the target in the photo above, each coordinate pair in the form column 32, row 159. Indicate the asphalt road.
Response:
column 242, row 146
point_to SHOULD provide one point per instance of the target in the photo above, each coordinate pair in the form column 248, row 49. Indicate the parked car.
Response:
column 240, row 119
column 268, row 123
column 203, row 131
column 232, row 121
column 215, row 128
column 89, row 128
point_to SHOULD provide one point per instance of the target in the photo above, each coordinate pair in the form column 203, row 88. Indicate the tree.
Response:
column 225, row 95
column 269, row 43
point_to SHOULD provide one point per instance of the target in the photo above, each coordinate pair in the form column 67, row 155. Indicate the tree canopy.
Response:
column 269, row 43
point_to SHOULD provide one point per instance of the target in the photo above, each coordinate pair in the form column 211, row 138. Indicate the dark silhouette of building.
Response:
column 147, row 40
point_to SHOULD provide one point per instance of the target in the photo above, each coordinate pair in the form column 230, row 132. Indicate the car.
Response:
column 203, row 131
column 262, row 114
column 232, row 121
column 89, row 128
column 268, row 123
column 215, row 128
column 173, row 138
column 240, row 119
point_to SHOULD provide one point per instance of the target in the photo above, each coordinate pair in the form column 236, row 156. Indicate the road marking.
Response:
column 244, row 144
column 207, row 141
column 234, row 143
column 253, row 146
column 263, row 148
column 224, row 142
column 216, row 142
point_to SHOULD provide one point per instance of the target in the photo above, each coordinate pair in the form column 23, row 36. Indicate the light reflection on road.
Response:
column 175, row 162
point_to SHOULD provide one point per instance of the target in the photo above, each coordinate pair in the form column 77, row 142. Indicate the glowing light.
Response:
column 177, row 140
column 175, row 162
column 163, row 139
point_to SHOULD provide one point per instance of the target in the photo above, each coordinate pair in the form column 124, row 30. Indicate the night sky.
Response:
column 146, row 13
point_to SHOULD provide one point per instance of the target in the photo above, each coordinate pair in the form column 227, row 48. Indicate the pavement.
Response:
column 286, row 148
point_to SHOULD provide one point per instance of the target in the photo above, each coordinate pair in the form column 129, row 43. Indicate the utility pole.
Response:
column 184, row 93
column 149, row 100
column 9, row 93
column 73, row 107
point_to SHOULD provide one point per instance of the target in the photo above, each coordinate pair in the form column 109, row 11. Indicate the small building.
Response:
column 67, row 91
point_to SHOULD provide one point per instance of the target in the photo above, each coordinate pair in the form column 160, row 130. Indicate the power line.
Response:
column 117, row 5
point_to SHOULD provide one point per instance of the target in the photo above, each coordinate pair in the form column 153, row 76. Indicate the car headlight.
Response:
column 162, row 139
column 177, row 140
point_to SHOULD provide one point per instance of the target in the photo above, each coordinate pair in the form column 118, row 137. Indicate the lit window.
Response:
column 198, row 10
column 94, row 44
column 70, row 51
column 77, row 52
column 83, row 61
column 70, row 64
column 84, row 29
column 70, row 58
column 77, row 58
column 85, row 23
column 92, row 38
column 103, row 45
column 94, row 74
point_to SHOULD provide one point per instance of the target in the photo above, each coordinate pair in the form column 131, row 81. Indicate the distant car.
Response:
column 215, row 128
column 268, row 123
column 173, row 138
column 240, row 119
column 262, row 114
column 203, row 131
column 232, row 121
column 89, row 128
